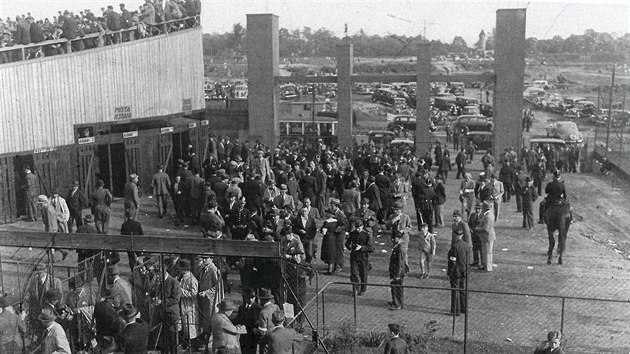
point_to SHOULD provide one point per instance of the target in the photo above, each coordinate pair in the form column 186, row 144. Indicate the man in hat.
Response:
column 168, row 292
column 207, row 294
column 196, row 195
column 555, row 190
column 427, row 247
column 283, row 200
column 37, row 287
column 459, row 224
column 100, row 200
column 253, row 190
column 400, row 224
column 132, row 198
column 211, row 221
column 49, row 215
column 51, row 300
column 339, row 227
column 31, row 191
column 485, row 230
column 473, row 221
column 161, row 184
column 457, row 268
column 178, row 196
column 12, row 327
column 265, row 323
column 224, row 332
column 119, row 286
column 280, row 339
column 247, row 316
column 424, row 199
column 528, row 197
column 134, row 337
column 76, row 202
column 53, row 340
column 397, row 270
column 395, row 344
column 467, row 194
column 359, row 243
column 351, row 199
column 189, row 285
column 108, row 324
column 132, row 228
column 374, row 195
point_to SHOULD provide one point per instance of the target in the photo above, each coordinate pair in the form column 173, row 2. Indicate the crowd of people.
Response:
column 289, row 194
column 25, row 29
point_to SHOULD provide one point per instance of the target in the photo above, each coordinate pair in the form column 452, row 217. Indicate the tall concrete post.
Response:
column 423, row 91
column 344, row 95
column 509, row 69
column 263, row 57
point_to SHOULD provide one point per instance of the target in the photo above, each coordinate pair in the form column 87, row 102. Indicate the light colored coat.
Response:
column 188, row 304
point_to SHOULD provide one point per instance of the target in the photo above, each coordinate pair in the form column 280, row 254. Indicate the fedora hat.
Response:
column 128, row 311
column 184, row 264
column 265, row 293
column 113, row 269
column 47, row 315
column 278, row 317
column 107, row 293
column 88, row 218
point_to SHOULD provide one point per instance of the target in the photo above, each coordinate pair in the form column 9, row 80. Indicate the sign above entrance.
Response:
column 46, row 149
column 167, row 130
column 205, row 122
column 132, row 134
column 192, row 125
column 122, row 112
column 86, row 140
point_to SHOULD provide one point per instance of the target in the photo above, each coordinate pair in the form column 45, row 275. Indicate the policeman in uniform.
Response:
column 359, row 242
column 556, row 194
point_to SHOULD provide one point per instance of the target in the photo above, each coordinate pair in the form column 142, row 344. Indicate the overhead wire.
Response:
column 554, row 21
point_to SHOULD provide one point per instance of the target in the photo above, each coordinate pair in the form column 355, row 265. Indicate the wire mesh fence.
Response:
column 515, row 320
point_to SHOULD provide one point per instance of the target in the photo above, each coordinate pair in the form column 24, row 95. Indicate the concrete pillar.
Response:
column 344, row 95
column 509, row 69
column 263, row 57
column 423, row 91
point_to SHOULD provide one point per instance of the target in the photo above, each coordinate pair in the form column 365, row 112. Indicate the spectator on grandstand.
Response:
column 148, row 14
column 23, row 31
column 70, row 31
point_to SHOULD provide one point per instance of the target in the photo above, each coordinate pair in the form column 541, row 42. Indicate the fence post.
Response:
column 354, row 303
column 562, row 317
column 323, row 310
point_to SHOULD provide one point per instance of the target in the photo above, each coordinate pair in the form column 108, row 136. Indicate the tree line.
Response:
column 307, row 42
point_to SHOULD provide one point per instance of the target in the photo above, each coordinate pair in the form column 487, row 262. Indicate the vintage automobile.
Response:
column 457, row 88
column 566, row 131
column 465, row 124
column 581, row 109
column 289, row 92
column 406, row 123
column 466, row 101
column 381, row 137
column 536, row 142
column 472, row 109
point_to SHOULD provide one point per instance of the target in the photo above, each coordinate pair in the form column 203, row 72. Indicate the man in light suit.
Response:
column 400, row 224
column 31, row 191
column 260, row 165
column 161, row 184
column 485, row 230
column 305, row 227
column 283, row 200
column 497, row 194
column 120, row 287
column 61, row 209
column 280, row 339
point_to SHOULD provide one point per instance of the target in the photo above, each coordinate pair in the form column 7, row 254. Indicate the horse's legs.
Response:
column 562, row 239
column 552, row 244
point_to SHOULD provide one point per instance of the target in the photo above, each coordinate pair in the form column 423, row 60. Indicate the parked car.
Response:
column 566, row 131
column 381, row 137
column 466, row 101
column 385, row 96
column 406, row 123
column 289, row 92
column 457, row 88
column 466, row 124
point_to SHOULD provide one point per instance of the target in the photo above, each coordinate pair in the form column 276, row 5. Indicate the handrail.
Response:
column 119, row 33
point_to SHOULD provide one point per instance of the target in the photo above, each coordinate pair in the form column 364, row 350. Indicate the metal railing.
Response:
column 22, row 52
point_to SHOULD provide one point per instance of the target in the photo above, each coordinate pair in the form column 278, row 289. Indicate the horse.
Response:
column 557, row 217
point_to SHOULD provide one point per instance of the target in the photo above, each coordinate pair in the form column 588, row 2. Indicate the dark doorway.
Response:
column 180, row 143
column 119, row 171
column 19, row 164
column 111, row 167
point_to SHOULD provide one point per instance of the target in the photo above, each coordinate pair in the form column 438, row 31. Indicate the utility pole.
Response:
column 610, row 106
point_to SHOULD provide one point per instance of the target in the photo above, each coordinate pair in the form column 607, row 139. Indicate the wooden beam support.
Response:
column 144, row 243
column 466, row 78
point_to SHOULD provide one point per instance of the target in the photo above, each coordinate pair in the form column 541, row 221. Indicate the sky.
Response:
column 442, row 20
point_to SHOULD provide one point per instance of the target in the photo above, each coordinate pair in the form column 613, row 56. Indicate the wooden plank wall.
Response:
column 48, row 96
